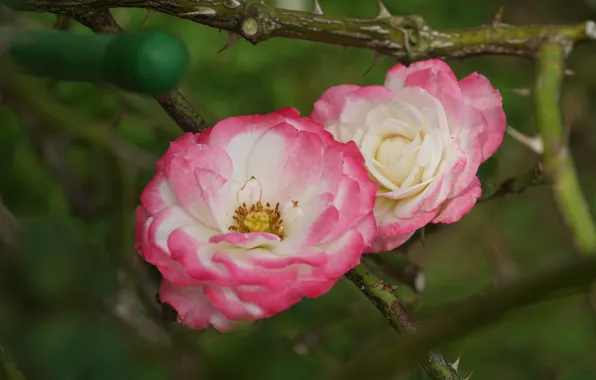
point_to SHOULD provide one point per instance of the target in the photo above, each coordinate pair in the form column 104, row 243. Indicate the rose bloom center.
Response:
column 389, row 150
column 258, row 218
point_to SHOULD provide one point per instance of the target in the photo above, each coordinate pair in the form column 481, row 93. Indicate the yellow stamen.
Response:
column 258, row 218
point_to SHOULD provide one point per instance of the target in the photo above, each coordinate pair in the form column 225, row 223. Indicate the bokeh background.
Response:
column 76, row 303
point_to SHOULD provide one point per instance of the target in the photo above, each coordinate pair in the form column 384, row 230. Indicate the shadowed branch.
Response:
column 175, row 104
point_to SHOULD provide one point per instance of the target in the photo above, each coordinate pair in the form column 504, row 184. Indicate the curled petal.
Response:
column 455, row 208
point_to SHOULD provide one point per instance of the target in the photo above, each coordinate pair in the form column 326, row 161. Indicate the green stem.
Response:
column 557, row 158
column 383, row 297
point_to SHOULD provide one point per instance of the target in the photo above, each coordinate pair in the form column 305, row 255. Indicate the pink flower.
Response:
column 423, row 136
column 250, row 216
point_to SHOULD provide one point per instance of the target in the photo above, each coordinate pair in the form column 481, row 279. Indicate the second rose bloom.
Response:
column 423, row 135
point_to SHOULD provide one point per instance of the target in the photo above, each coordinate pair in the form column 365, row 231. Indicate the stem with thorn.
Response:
column 383, row 297
column 402, row 37
column 463, row 317
column 557, row 157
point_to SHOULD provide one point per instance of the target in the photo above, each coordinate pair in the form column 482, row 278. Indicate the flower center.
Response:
column 391, row 149
column 258, row 218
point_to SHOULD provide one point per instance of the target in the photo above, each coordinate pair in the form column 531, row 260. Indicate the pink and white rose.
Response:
column 249, row 217
column 423, row 135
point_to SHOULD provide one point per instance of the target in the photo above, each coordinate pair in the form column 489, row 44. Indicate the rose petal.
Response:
column 198, row 314
column 388, row 242
column 480, row 94
column 455, row 208
column 328, row 108
column 397, row 75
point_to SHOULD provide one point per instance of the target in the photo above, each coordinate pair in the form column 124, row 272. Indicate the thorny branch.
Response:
column 381, row 295
column 403, row 37
column 466, row 316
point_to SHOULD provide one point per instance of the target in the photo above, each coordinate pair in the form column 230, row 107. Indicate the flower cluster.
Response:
column 250, row 216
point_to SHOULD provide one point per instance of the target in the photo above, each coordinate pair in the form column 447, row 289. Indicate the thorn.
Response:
column 232, row 39
column 520, row 91
column 455, row 364
column 420, row 283
column 470, row 375
column 498, row 16
column 317, row 10
column 534, row 143
column 383, row 12
column 200, row 11
column 376, row 59
column 232, row 3
column 423, row 236
column 150, row 12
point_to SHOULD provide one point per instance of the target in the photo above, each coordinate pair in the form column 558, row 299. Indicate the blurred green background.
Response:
column 78, row 304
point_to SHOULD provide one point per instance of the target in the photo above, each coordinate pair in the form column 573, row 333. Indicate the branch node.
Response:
column 250, row 27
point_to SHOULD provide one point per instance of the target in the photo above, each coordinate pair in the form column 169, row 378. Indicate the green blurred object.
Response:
column 146, row 61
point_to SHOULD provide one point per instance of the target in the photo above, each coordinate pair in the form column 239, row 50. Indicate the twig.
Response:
column 175, row 104
column 490, row 190
column 402, row 37
column 557, row 158
column 396, row 265
column 533, row 177
column 383, row 297
column 464, row 317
